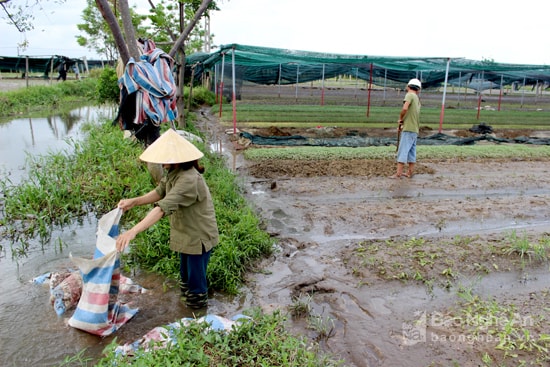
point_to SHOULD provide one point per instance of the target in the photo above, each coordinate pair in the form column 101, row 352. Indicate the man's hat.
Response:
column 171, row 148
column 414, row 83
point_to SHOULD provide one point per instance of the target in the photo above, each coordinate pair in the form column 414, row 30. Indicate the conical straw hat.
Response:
column 171, row 148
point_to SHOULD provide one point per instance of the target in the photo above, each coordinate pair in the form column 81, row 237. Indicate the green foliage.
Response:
column 516, row 339
column 165, row 22
column 161, row 25
column 523, row 247
column 423, row 152
column 97, row 35
column 260, row 341
column 201, row 97
column 107, row 86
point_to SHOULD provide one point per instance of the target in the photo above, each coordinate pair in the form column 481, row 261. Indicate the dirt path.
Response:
column 346, row 237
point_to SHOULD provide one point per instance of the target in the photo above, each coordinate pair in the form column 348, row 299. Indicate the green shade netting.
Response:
column 264, row 65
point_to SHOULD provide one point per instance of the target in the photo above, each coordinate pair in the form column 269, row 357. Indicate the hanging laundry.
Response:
column 147, row 93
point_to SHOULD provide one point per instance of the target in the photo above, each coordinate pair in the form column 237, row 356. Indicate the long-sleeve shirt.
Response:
column 187, row 201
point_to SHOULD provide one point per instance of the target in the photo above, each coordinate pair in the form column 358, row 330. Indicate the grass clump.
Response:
column 440, row 262
column 511, row 333
column 88, row 176
column 259, row 341
column 526, row 248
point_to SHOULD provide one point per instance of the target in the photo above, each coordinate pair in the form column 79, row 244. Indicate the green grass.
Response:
column 95, row 173
column 258, row 342
column 517, row 339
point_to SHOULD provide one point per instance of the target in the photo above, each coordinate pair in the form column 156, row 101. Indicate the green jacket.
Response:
column 186, row 199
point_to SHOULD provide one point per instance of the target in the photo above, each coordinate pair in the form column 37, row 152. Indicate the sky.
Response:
column 505, row 32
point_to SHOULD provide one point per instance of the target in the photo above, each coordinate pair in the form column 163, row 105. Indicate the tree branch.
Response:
column 181, row 39
column 129, row 30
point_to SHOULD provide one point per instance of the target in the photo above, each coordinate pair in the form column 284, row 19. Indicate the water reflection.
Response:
column 31, row 136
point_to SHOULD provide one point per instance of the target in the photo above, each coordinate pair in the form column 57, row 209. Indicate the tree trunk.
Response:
column 180, row 101
column 111, row 20
column 127, row 46
column 129, row 29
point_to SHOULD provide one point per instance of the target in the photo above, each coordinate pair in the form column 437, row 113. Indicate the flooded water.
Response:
column 37, row 136
column 32, row 333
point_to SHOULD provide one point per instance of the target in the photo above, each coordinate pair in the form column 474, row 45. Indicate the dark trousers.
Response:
column 193, row 272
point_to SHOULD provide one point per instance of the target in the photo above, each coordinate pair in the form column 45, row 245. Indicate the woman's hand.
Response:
column 124, row 239
column 126, row 204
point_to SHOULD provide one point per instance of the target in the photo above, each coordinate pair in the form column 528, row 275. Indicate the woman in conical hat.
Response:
column 183, row 195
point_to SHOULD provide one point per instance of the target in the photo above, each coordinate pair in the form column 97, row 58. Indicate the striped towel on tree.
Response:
column 152, row 79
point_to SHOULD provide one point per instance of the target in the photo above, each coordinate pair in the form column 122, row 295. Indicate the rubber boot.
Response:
column 184, row 291
column 196, row 300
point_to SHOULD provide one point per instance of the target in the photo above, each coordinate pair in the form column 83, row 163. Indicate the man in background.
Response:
column 408, row 127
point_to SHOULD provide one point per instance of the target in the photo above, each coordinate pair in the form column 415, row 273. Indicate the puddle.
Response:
column 369, row 321
column 317, row 219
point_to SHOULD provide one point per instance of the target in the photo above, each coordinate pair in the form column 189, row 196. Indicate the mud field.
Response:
column 377, row 259
column 378, row 271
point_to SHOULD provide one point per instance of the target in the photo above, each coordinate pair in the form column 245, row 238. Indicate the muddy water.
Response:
column 318, row 219
column 369, row 320
column 32, row 333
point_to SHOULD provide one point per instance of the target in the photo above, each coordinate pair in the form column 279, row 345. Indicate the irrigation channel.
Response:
column 318, row 222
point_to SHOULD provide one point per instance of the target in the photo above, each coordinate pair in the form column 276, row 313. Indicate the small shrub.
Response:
column 107, row 86
column 201, row 97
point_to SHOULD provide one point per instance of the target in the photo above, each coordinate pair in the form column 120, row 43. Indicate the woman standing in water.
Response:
column 183, row 195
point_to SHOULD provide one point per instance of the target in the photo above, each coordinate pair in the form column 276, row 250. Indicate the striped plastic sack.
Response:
column 99, row 312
